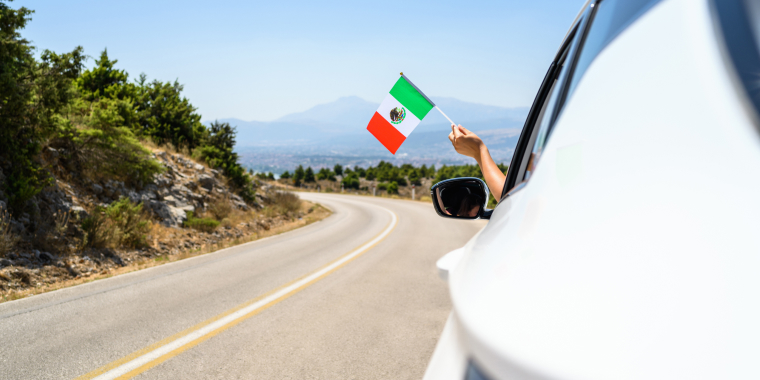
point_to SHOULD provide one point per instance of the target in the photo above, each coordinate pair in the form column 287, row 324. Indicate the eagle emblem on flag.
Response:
column 397, row 115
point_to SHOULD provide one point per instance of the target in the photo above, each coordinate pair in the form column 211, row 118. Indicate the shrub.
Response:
column 122, row 223
column 8, row 239
column 285, row 202
column 382, row 186
column 220, row 208
column 103, row 145
column 351, row 181
column 217, row 151
column 393, row 188
column 201, row 224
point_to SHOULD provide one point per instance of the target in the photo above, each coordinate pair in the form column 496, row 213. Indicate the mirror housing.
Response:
column 461, row 198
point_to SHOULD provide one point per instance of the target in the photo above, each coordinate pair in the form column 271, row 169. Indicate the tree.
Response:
column 32, row 94
column 325, row 173
column 298, row 175
column 101, row 145
column 167, row 117
column 218, row 152
column 285, row 175
column 338, row 169
column 351, row 181
column 414, row 177
column 104, row 81
column 308, row 175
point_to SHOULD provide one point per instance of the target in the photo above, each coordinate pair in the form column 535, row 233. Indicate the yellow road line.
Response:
column 155, row 354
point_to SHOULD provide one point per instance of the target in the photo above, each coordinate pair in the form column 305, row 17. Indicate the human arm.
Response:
column 469, row 144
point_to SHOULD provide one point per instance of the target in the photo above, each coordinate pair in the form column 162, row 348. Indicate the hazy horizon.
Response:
column 264, row 60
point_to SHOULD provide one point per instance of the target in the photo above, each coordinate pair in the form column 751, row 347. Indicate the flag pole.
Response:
column 444, row 115
column 428, row 99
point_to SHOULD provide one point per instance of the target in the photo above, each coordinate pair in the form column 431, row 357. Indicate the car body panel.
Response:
column 632, row 251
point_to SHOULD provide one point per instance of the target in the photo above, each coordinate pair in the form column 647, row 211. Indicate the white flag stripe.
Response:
column 410, row 121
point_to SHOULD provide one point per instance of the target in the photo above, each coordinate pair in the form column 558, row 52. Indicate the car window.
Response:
column 538, row 137
column 609, row 19
column 541, row 110
column 739, row 22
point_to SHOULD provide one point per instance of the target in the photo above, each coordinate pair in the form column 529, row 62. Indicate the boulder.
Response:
column 170, row 216
column 206, row 181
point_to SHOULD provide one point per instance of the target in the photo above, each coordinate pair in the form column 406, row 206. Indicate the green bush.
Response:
column 122, row 223
column 351, row 181
column 201, row 224
column 103, row 146
column 217, row 151
column 167, row 117
column 393, row 188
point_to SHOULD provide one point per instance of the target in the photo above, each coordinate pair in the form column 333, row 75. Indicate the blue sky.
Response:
column 255, row 60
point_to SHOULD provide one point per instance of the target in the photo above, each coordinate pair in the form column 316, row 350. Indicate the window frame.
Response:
column 730, row 36
column 569, row 45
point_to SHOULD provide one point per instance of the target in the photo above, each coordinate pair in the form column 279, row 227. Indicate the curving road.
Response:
column 355, row 296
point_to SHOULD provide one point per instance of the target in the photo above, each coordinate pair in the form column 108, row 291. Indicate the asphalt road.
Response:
column 374, row 315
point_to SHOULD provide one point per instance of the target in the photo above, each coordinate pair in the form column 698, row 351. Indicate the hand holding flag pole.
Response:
column 403, row 108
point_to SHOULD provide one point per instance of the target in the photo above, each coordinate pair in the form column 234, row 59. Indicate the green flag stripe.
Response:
column 407, row 94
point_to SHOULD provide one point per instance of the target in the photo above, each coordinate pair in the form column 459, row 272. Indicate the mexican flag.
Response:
column 398, row 115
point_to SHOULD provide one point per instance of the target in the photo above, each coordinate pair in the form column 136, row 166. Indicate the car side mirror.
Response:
column 461, row 198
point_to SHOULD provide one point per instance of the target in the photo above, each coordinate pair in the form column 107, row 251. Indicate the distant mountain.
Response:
column 348, row 116
column 348, row 111
column 338, row 129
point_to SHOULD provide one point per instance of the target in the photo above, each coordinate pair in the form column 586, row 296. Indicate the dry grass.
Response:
column 8, row 239
column 219, row 209
column 51, row 235
column 314, row 213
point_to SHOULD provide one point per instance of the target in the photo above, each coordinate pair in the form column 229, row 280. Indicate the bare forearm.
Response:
column 493, row 175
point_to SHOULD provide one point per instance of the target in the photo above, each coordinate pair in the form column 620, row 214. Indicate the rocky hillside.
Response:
column 80, row 227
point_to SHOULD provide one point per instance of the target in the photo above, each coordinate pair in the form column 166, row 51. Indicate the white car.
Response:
column 627, row 241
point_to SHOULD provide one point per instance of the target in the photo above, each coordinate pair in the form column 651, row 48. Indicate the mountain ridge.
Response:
column 336, row 132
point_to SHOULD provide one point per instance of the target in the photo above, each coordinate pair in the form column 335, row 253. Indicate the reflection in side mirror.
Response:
column 461, row 198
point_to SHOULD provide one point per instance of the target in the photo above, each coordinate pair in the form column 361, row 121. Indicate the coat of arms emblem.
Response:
column 397, row 115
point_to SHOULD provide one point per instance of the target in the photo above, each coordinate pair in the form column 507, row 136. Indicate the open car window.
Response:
column 540, row 112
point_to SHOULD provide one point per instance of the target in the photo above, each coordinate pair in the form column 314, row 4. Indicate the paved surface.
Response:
column 377, row 317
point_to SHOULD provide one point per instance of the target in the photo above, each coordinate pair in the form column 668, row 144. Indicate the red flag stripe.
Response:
column 384, row 132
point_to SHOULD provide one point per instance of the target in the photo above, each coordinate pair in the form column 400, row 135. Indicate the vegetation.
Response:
column 286, row 203
column 8, row 239
column 386, row 173
column 122, row 223
column 201, row 224
column 96, row 117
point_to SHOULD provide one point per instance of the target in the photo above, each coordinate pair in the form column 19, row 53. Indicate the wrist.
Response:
column 482, row 153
